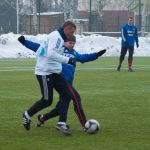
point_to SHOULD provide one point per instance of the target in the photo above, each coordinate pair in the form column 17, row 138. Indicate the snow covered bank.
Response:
column 11, row 48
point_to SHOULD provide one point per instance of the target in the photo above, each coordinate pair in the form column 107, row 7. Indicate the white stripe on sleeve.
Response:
column 123, row 37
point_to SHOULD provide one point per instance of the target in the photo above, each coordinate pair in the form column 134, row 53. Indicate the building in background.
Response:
column 48, row 22
column 113, row 20
column 105, row 17
column 88, row 15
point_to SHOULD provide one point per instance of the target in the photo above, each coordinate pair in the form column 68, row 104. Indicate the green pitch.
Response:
column 120, row 101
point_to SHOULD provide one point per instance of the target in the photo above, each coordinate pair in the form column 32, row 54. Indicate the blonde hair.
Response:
column 68, row 23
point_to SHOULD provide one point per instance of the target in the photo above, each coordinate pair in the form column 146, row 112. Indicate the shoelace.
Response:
column 25, row 120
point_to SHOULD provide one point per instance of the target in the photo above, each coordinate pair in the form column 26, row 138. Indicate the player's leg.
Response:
column 130, row 59
column 60, row 105
column 121, row 58
column 78, row 106
column 46, row 85
column 53, row 113
column 62, row 88
column 41, row 119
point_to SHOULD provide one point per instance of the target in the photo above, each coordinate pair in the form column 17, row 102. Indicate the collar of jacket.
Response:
column 61, row 32
column 68, row 49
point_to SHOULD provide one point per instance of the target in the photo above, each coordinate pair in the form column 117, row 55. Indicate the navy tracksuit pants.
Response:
column 66, row 91
column 77, row 106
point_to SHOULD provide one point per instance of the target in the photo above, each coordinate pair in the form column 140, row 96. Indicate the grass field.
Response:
column 120, row 101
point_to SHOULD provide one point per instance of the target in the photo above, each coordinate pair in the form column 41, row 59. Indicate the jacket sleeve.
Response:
column 31, row 45
column 85, row 57
column 124, row 34
column 136, row 36
column 55, row 50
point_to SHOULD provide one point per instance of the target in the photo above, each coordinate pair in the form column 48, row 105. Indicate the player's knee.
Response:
column 47, row 102
column 67, row 96
column 76, row 109
column 122, row 57
column 130, row 58
column 78, row 97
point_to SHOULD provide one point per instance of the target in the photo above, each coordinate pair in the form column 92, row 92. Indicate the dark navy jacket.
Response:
column 67, row 70
column 129, row 35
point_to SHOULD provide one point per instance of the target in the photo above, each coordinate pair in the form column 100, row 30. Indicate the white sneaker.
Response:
column 63, row 128
column 26, row 121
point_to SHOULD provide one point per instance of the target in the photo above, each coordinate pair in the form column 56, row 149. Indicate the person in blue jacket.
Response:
column 68, row 73
column 129, row 38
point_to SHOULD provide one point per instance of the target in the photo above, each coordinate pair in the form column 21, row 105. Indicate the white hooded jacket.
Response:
column 50, row 55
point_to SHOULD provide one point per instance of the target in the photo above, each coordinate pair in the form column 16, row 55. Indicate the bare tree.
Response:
column 119, row 4
column 75, row 8
column 35, row 20
column 100, row 6
column 70, row 9
column 66, row 6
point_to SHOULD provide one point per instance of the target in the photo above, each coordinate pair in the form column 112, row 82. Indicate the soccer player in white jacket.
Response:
column 48, row 68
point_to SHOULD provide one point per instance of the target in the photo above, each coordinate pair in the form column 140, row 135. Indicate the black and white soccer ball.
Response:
column 92, row 126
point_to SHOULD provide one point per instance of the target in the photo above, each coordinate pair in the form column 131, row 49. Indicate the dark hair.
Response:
column 68, row 23
column 72, row 38
column 130, row 18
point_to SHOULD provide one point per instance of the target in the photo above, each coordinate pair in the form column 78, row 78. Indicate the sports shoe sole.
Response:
column 66, row 132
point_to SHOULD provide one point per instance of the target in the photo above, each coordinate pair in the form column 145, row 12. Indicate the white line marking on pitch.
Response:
column 78, row 69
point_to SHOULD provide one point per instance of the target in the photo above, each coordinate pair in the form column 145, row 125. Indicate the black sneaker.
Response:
column 40, row 120
column 26, row 122
column 118, row 68
column 63, row 128
column 130, row 70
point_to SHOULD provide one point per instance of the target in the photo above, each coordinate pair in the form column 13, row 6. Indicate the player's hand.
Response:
column 100, row 53
column 137, row 45
column 21, row 39
column 72, row 61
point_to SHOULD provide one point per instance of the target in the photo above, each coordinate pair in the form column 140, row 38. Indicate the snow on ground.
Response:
column 11, row 48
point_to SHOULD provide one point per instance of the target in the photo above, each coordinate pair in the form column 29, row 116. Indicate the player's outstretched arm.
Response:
column 29, row 44
column 89, row 57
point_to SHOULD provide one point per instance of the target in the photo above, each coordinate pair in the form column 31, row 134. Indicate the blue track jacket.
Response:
column 129, row 35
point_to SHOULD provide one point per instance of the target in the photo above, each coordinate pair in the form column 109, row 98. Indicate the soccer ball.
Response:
column 92, row 126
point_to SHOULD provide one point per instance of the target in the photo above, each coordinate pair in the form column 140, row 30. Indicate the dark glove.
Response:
column 72, row 61
column 100, row 53
column 137, row 45
column 21, row 39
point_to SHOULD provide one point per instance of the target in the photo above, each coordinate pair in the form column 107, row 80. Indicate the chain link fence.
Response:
column 48, row 23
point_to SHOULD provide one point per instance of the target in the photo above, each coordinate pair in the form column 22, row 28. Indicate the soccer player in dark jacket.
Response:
column 68, row 73
column 129, row 37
